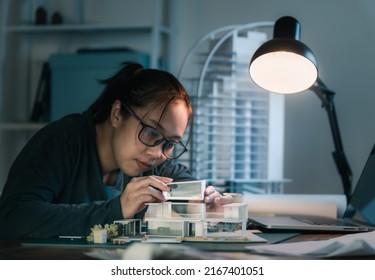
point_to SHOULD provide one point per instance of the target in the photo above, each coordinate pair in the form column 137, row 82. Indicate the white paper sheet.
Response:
column 290, row 204
column 358, row 244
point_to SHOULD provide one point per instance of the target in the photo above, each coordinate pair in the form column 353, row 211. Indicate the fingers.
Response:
column 154, row 181
column 210, row 190
column 211, row 195
column 153, row 186
column 156, row 194
column 164, row 179
column 142, row 190
column 224, row 199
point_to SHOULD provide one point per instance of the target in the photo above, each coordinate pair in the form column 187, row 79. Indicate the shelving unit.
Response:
column 24, row 46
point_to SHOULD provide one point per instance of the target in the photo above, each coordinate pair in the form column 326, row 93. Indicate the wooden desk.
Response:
column 15, row 250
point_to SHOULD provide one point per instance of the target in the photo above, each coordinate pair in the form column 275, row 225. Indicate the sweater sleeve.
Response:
column 54, row 188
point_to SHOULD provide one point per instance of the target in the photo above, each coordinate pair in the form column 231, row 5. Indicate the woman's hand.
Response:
column 142, row 190
column 214, row 200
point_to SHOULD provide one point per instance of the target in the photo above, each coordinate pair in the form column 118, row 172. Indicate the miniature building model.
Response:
column 188, row 220
column 128, row 227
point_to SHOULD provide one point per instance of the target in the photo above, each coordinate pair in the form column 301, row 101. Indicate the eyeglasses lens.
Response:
column 151, row 137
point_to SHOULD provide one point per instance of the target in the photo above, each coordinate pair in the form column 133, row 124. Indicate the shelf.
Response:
column 21, row 126
column 82, row 28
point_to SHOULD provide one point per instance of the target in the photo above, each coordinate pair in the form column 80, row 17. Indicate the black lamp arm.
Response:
column 326, row 96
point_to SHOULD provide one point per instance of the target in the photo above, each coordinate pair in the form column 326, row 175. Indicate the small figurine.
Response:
column 41, row 15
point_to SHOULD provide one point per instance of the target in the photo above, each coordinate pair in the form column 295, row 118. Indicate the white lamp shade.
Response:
column 284, row 64
column 283, row 72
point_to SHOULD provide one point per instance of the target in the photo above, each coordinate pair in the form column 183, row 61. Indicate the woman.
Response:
column 102, row 165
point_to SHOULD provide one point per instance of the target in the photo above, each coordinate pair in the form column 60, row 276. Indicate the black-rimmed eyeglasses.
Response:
column 151, row 137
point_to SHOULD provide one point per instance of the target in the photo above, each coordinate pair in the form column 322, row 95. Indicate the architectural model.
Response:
column 189, row 221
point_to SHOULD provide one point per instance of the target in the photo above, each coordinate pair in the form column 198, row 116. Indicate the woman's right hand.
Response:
column 142, row 190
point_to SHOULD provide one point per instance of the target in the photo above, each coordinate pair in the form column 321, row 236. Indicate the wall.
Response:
column 341, row 34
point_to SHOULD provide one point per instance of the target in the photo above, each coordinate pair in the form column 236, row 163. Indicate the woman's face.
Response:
column 130, row 154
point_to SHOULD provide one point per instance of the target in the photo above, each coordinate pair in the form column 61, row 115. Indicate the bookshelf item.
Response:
column 41, row 109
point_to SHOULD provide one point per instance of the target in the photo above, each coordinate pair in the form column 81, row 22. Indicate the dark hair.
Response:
column 138, row 87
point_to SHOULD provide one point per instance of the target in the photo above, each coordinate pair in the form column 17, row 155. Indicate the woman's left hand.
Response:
column 214, row 200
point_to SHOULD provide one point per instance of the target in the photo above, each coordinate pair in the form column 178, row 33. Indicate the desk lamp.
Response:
column 285, row 65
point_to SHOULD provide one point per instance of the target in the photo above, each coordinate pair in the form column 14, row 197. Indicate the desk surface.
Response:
column 31, row 250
